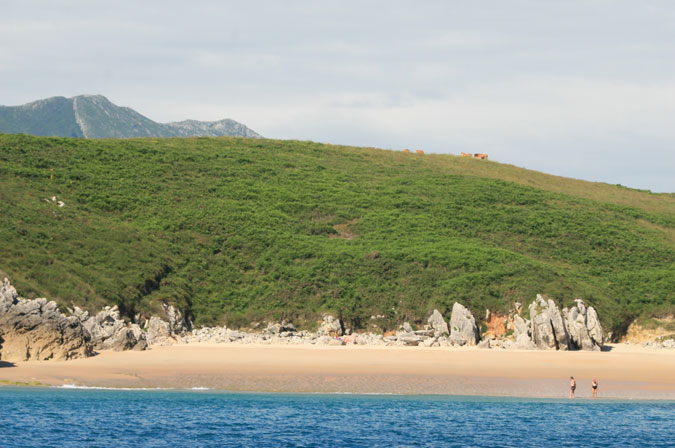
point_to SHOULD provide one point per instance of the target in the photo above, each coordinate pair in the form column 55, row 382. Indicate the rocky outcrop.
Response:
column 284, row 328
column 583, row 327
column 463, row 330
column 521, row 326
column 438, row 324
column 547, row 328
column 37, row 330
column 330, row 326
column 108, row 330
column 161, row 332
column 575, row 329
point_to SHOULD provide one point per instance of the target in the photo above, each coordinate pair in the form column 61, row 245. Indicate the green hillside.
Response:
column 239, row 230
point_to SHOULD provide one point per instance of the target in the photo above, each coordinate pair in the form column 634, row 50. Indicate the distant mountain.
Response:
column 94, row 116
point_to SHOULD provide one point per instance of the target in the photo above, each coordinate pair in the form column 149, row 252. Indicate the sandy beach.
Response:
column 623, row 372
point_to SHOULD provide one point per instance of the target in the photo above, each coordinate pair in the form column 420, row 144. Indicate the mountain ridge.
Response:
column 95, row 116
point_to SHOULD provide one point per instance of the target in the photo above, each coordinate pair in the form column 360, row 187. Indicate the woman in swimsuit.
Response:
column 573, row 386
column 594, row 386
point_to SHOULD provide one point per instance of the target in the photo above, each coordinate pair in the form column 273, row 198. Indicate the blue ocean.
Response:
column 53, row 417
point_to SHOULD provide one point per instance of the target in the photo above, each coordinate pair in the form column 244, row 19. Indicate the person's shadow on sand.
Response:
column 6, row 364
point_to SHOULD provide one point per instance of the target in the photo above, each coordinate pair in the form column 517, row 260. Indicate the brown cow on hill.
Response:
column 406, row 150
column 480, row 156
column 465, row 154
column 419, row 151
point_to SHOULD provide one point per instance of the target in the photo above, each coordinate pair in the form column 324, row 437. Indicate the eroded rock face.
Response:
column 330, row 326
column 108, row 330
column 37, row 330
column 594, row 327
column 524, row 342
column 463, row 330
column 161, row 332
column 547, row 327
column 438, row 324
column 583, row 327
column 286, row 328
column 177, row 324
column 8, row 296
column 521, row 326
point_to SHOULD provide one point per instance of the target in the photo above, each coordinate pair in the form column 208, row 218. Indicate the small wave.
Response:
column 200, row 388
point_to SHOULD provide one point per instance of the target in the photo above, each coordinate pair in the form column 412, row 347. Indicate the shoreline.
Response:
column 338, row 394
column 625, row 372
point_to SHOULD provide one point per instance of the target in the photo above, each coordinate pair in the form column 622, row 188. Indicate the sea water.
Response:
column 118, row 418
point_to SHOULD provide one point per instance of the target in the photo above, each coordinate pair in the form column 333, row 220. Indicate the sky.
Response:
column 582, row 89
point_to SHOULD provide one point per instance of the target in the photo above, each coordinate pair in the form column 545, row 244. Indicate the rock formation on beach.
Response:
column 108, row 331
column 463, row 328
column 550, row 329
column 439, row 325
column 547, row 328
column 166, row 332
column 37, row 330
column 583, row 326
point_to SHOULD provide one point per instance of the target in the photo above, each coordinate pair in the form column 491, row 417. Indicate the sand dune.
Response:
column 623, row 372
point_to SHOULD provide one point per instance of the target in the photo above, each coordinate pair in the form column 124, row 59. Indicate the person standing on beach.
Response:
column 594, row 387
column 573, row 386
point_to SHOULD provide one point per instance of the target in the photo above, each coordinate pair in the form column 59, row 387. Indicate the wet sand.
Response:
column 623, row 372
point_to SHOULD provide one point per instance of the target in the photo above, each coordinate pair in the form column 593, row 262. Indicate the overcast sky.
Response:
column 583, row 89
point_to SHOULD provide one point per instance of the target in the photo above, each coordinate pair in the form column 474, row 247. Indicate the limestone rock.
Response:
column 547, row 328
column 284, row 327
column 177, row 324
column 428, row 342
column 438, row 324
column 524, row 342
column 463, row 330
column 521, row 326
column 37, row 330
column 170, row 331
column 409, row 339
column 579, row 327
column 158, row 331
column 108, row 330
column 594, row 327
column 407, row 328
column 8, row 296
column 484, row 343
column 330, row 326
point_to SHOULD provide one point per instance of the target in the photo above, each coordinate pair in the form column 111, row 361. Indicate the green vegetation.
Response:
column 239, row 230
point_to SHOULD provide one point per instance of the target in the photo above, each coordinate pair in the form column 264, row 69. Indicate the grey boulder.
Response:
column 463, row 330
column 438, row 324
column 547, row 327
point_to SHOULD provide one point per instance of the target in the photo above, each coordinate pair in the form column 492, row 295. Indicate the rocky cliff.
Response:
column 37, row 330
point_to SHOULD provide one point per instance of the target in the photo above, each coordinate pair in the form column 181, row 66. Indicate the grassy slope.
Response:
column 237, row 230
